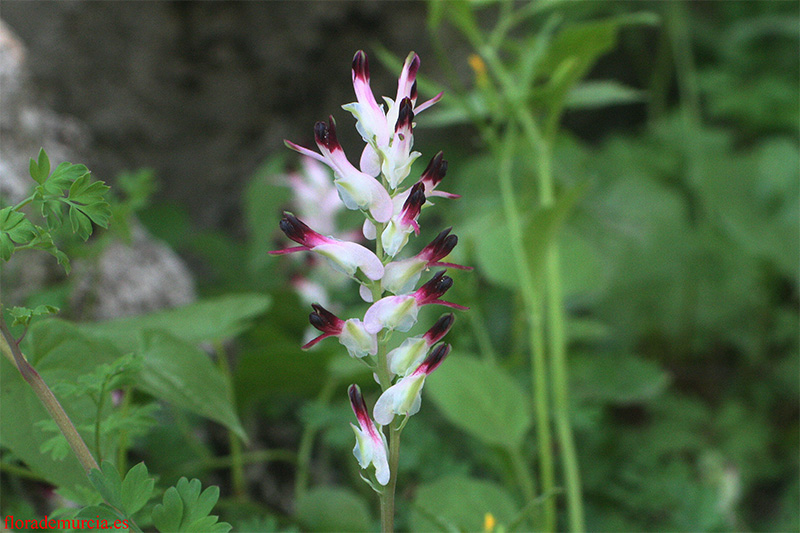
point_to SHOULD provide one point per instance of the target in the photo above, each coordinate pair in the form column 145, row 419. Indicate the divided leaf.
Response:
column 14, row 228
column 24, row 315
column 185, row 509
column 136, row 489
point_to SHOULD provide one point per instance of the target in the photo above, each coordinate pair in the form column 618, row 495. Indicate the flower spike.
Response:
column 391, row 211
column 405, row 397
column 371, row 447
column 346, row 257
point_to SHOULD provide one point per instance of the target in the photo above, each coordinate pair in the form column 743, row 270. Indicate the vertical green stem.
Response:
column 534, row 308
column 387, row 498
column 122, row 447
column 234, row 442
column 11, row 349
column 557, row 338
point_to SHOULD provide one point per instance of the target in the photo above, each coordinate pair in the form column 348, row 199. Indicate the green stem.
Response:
column 10, row 347
column 522, row 473
column 541, row 145
column 122, row 447
column 234, row 442
column 22, row 472
column 387, row 497
column 98, row 424
column 534, row 308
column 555, row 325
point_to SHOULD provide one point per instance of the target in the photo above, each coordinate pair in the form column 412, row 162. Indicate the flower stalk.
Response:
column 391, row 213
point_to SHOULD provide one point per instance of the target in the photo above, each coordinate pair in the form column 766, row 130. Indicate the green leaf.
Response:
column 23, row 315
column 180, row 373
column 108, row 483
column 618, row 378
column 14, row 228
column 40, row 170
column 90, row 198
column 333, row 509
column 80, row 223
column 63, row 176
column 575, row 50
column 185, row 508
column 460, row 504
column 482, row 399
column 208, row 320
column 602, row 93
column 52, row 213
column 137, row 488
column 489, row 234
column 100, row 512
column 167, row 515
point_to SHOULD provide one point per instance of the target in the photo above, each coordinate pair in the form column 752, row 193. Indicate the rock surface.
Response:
column 124, row 279
column 203, row 92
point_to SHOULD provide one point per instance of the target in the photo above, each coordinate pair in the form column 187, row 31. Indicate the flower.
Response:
column 398, row 157
column 315, row 195
column 412, row 351
column 395, row 236
column 399, row 277
column 404, row 397
column 371, row 447
column 400, row 312
column 351, row 332
column 375, row 126
column 356, row 189
column 346, row 257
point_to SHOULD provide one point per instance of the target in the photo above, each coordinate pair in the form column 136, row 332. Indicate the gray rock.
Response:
column 125, row 279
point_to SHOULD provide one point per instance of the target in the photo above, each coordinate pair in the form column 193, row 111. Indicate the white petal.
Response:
column 347, row 257
column 365, row 293
column 407, row 356
column 370, row 161
column 402, row 398
column 363, row 448
column 395, row 237
column 361, row 191
column 369, row 231
column 355, row 338
column 392, row 312
column 400, row 277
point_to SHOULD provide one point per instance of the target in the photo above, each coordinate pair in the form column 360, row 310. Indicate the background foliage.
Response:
column 679, row 239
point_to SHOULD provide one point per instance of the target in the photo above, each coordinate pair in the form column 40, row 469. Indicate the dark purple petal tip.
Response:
column 405, row 115
column 325, row 321
column 294, row 228
column 440, row 328
column 325, row 134
column 359, row 405
column 361, row 65
column 435, row 358
column 436, row 170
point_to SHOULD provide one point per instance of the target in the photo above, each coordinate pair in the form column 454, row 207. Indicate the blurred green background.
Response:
column 679, row 258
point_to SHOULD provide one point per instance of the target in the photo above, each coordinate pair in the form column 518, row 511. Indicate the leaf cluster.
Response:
column 67, row 189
